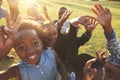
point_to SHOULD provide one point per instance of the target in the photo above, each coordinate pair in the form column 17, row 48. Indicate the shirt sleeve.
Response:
column 83, row 39
column 113, row 47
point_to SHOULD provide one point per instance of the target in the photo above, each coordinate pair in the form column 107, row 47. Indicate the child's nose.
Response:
column 30, row 50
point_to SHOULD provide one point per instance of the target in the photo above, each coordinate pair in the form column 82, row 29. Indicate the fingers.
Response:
column 8, row 33
column 99, row 8
column 97, row 55
column 102, row 59
column 101, row 55
column 107, row 10
column 94, row 11
column 89, row 63
column 103, row 52
column 93, row 21
column 68, row 13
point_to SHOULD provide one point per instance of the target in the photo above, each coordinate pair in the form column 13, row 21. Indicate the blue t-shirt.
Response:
column 1, row 13
column 45, row 70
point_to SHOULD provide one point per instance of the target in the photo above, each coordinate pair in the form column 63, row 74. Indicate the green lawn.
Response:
column 97, row 42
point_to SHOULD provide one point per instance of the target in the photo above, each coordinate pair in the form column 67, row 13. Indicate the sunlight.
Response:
column 29, row 1
column 24, row 4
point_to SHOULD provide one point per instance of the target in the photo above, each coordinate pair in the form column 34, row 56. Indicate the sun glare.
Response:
column 24, row 4
column 29, row 1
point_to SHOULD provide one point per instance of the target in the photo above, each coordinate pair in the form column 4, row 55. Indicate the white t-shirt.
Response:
column 65, row 28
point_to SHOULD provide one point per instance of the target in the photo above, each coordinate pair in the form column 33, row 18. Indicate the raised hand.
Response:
column 88, row 22
column 16, row 24
column 101, row 57
column 66, row 14
column 46, row 12
column 89, row 73
column 7, row 40
column 64, row 17
column 104, row 17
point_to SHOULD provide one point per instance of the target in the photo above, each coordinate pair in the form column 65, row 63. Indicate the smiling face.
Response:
column 28, row 46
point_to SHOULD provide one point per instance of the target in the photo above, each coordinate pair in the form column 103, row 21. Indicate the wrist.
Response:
column 108, row 29
column 60, row 22
column 88, row 33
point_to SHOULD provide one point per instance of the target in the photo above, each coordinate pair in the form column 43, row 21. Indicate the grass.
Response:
column 96, row 43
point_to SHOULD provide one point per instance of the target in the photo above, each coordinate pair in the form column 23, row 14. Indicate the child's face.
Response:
column 28, row 46
column 52, row 32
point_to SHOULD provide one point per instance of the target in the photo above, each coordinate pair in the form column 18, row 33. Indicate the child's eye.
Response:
column 36, row 43
column 21, row 48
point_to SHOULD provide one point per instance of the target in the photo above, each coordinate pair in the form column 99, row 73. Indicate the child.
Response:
column 4, row 13
column 67, row 45
column 65, row 26
column 37, row 62
column 104, row 17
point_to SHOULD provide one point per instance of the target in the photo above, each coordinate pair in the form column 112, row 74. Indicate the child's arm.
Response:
column 113, row 44
column 46, row 12
column 7, row 18
column 61, row 68
column 104, row 17
column 89, row 23
column 13, row 3
column 12, row 72
column 7, row 40
column 112, row 71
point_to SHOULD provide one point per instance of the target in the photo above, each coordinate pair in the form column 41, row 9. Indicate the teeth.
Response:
column 32, row 57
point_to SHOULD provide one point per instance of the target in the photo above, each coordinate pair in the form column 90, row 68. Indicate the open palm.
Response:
column 7, row 40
